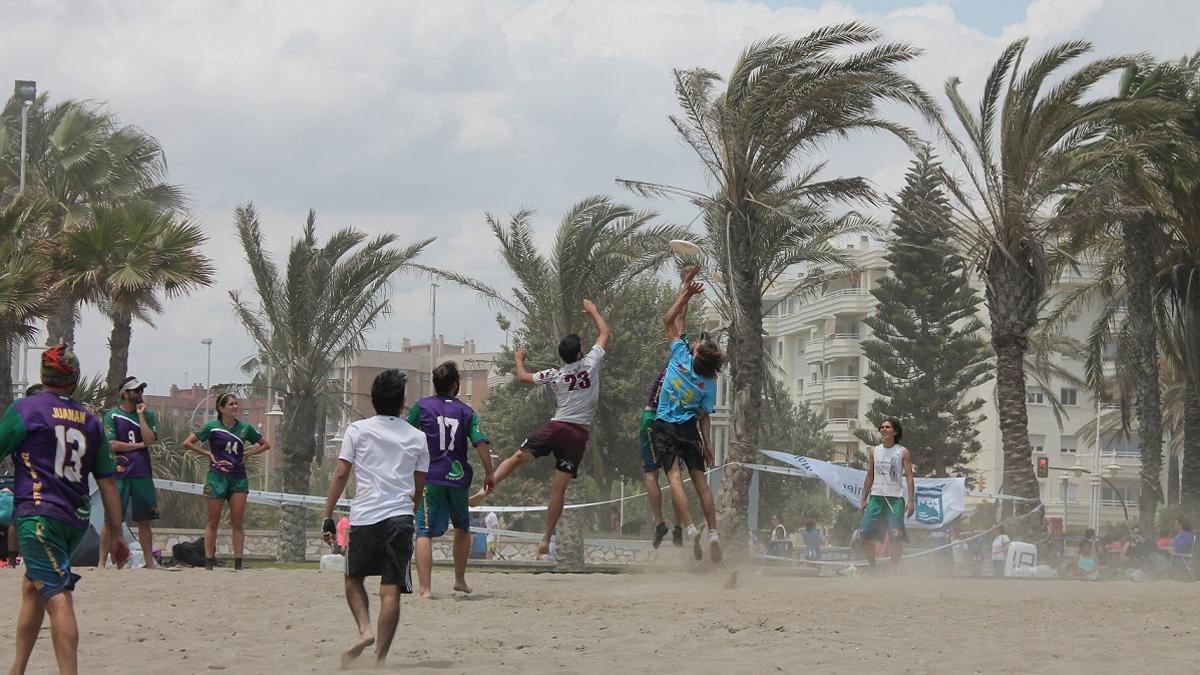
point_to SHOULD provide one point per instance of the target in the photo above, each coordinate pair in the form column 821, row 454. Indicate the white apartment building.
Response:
column 815, row 347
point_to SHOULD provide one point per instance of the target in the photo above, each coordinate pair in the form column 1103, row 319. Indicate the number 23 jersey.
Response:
column 55, row 443
column 576, row 386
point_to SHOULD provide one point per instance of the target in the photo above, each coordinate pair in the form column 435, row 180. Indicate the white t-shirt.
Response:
column 576, row 386
column 889, row 471
column 998, row 546
column 385, row 452
column 492, row 522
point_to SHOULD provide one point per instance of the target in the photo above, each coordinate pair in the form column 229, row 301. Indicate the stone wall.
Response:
column 264, row 545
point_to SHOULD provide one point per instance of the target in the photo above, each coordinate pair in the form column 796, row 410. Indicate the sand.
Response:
column 296, row 621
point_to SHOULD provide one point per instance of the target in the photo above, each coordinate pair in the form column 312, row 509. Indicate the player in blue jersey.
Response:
column 57, row 444
column 450, row 426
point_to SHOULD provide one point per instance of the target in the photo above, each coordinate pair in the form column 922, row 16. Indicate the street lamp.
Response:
column 207, row 342
column 25, row 91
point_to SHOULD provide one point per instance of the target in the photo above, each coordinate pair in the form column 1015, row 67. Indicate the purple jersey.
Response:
column 55, row 443
column 652, row 404
column 229, row 444
column 126, row 427
column 450, row 426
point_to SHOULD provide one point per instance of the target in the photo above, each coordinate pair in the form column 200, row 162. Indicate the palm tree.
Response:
column 1023, row 151
column 24, row 278
column 80, row 156
column 599, row 249
column 125, row 260
column 306, row 319
column 783, row 101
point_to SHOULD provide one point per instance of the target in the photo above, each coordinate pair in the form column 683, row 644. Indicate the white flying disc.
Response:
column 684, row 247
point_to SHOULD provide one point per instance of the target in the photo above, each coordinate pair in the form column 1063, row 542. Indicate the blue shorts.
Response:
column 440, row 507
column 46, row 546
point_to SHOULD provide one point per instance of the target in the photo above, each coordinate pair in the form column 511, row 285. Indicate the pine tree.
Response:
column 925, row 353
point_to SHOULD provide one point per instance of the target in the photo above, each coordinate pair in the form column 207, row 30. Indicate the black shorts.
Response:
column 382, row 549
column 564, row 440
column 678, row 441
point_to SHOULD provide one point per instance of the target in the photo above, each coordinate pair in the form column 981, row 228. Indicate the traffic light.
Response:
column 1043, row 466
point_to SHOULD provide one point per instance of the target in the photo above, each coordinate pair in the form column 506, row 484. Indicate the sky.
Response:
column 417, row 118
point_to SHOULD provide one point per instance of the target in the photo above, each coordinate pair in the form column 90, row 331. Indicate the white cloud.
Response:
column 416, row 117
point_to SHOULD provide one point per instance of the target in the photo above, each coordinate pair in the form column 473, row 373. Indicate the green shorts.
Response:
column 440, row 507
column 224, row 486
column 884, row 515
column 139, row 498
column 646, row 439
column 46, row 545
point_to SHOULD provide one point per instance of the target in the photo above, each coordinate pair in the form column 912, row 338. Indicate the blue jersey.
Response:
column 684, row 394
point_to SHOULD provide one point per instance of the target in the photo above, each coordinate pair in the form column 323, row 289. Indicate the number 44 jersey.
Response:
column 55, row 443
column 576, row 386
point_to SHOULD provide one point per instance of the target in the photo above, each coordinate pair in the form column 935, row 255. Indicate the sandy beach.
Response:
column 296, row 621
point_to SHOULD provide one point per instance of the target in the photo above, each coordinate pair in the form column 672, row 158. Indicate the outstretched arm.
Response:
column 602, row 331
column 522, row 374
column 676, row 318
column 870, row 481
column 912, row 486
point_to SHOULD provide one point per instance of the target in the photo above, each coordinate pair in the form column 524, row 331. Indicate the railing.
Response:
column 842, row 336
column 848, row 291
column 843, row 378
column 841, row 423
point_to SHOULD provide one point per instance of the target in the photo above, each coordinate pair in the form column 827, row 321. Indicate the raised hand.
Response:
column 694, row 288
column 141, row 408
column 520, row 355
column 589, row 307
column 690, row 275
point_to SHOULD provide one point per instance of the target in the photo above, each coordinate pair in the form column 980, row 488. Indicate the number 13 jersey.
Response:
column 576, row 386
column 55, row 443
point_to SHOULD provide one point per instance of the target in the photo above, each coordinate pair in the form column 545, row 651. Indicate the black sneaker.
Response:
column 660, row 531
column 677, row 537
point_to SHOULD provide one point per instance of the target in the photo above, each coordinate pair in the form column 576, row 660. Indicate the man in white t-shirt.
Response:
column 389, row 459
column 999, row 551
column 492, row 522
column 576, row 386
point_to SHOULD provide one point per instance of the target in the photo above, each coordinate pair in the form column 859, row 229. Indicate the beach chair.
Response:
column 1183, row 560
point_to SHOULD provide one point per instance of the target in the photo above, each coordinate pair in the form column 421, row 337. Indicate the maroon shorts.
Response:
column 564, row 440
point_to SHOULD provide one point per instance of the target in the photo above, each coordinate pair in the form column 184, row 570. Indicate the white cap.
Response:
column 132, row 384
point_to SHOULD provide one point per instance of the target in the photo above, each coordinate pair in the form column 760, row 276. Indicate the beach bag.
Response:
column 189, row 553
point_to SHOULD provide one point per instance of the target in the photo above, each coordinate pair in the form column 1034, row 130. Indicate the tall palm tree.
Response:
column 306, row 319
column 599, row 249
column 1021, row 153
column 126, row 260
column 1125, row 252
column 24, row 278
column 784, row 100
column 80, row 156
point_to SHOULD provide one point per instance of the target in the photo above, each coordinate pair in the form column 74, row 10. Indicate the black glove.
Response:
column 329, row 527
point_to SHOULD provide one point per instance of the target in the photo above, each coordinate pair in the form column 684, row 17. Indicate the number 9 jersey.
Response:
column 576, row 387
column 55, row 443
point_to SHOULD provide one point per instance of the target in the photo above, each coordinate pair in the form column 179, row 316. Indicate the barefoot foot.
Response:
column 477, row 498
column 356, row 650
column 426, row 594
column 461, row 586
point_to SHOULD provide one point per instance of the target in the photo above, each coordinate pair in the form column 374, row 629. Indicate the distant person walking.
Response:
column 889, row 480
column 227, row 439
column 812, row 540
column 389, row 458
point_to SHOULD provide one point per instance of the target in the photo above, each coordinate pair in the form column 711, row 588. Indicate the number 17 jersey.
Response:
column 576, row 387
column 55, row 443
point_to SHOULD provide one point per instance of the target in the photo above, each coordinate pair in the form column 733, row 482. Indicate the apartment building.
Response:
column 815, row 343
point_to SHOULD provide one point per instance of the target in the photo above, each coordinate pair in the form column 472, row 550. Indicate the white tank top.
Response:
column 889, row 471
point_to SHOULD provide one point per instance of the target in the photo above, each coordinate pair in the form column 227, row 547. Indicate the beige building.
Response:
column 815, row 344
column 479, row 376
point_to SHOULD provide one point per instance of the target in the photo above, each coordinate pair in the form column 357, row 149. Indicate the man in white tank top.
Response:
column 576, row 386
column 889, row 481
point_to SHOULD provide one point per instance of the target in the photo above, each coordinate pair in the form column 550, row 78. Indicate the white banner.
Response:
column 939, row 500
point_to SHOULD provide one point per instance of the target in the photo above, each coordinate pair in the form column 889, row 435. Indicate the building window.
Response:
column 1068, row 396
column 469, row 382
column 800, row 386
column 1036, row 397
column 779, row 349
column 800, row 347
column 1069, row 444
column 1038, row 442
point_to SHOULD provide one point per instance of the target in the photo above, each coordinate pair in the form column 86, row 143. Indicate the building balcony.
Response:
column 841, row 430
column 834, row 346
column 850, row 301
column 840, row 388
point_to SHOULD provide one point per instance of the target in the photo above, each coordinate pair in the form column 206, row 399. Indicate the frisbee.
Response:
column 684, row 247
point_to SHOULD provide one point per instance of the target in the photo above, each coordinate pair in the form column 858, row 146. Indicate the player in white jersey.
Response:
column 576, row 386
